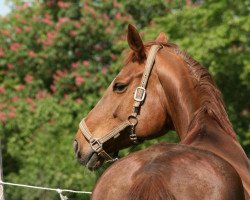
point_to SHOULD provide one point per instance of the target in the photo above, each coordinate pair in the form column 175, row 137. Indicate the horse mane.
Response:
column 149, row 185
column 212, row 102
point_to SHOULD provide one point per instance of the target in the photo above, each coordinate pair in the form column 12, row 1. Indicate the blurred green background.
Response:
column 57, row 58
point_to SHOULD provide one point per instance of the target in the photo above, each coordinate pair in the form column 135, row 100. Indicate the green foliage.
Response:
column 57, row 58
column 53, row 66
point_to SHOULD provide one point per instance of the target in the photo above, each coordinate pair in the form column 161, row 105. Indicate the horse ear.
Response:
column 135, row 43
column 162, row 37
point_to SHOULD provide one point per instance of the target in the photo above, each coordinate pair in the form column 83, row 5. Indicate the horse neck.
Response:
column 192, row 97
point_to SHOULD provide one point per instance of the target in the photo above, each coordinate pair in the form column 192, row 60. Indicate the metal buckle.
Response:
column 112, row 160
column 96, row 145
column 133, row 138
column 139, row 97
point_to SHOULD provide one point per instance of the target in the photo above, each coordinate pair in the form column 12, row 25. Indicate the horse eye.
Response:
column 119, row 87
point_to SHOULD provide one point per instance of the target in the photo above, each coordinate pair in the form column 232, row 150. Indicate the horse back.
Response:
column 167, row 171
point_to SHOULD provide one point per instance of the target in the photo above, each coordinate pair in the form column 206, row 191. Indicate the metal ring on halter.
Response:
column 133, row 120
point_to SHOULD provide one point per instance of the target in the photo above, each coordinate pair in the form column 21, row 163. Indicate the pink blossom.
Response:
column 104, row 70
column 111, row 24
column 73, row 33
column 18, row 29
column 113, row 56
column 62, row 20
column 55, row 77
column 6, row 32
column 27, row 28
column 2, row 105
column 35, row 18
column 53, row 88
column 3, row 116
column 29, row 100
column 12, row 115
column 77, row 25
column 18, row 17
column 116, row 4
column 85, row 5
column 41, row 94
column 50, row 3
column 10, row 66
column 123, row 37
column 105, row 16
column 78, row 100
column 79, row 80
column 22, row 7
column 2, row 54
column 47, row 21
column 15, row 46
column 108, row 29
column 32, row 54
column 28, row 78
column 118, row 16
column 15, row 98
column 62, row 4
column 12, row 108
column 32, row 107
column 92, row 12
column 74, row 65
column 75, row 74
column 60, row 73
column 85, row 62
column 51, row 35
column 50, row 39
column 20, row 87
column 2, row 89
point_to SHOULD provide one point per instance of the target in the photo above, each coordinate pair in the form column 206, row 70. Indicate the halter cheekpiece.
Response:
column 139, row 97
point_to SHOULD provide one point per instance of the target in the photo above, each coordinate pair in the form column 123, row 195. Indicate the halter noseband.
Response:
column 139, row 97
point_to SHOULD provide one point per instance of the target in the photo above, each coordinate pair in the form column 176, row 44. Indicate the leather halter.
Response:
column 139, row 97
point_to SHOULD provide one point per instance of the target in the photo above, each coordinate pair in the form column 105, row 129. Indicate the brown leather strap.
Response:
column 84, row 129
column 115, row 132
column 140, row 92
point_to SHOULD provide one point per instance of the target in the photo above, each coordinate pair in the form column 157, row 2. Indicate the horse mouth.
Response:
column 94, row 162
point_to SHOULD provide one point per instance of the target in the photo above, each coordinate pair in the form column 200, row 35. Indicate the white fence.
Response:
column 58, row 190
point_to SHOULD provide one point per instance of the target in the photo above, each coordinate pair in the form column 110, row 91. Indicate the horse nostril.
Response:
column 75, row 144
column 78, row 155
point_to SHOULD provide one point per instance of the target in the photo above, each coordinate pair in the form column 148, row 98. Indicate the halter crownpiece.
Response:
column 139, row 97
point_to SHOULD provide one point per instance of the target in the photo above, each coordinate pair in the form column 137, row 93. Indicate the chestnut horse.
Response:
column 169, row 172
column 175, row 93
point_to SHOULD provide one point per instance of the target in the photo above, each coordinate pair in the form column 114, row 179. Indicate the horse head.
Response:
column 133, row 108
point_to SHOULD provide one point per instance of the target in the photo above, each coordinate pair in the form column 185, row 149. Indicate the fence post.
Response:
column 1, row 173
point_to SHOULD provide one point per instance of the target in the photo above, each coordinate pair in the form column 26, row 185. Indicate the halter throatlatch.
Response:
column 139, row 97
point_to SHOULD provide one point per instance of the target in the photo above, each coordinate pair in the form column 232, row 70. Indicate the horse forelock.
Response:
column 212, row 102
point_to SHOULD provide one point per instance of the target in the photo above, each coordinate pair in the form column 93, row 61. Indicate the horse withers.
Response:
column 160, row 88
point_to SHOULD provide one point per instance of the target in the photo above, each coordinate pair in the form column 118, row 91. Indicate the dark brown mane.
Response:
column 212, row 102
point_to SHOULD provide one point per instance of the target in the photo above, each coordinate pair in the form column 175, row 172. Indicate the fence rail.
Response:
column 58, row 190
